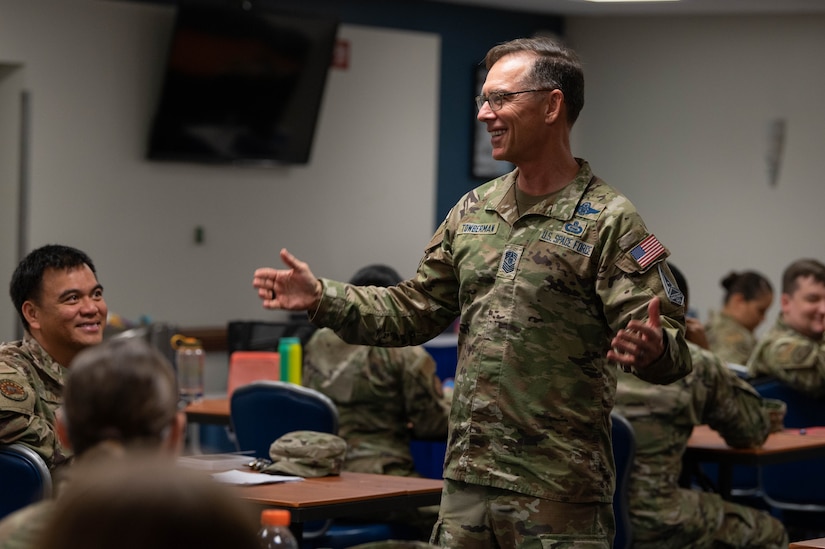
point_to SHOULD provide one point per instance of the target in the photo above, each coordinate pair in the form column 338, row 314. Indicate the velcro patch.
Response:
column 575, row 227
column 647, row 251
column 674, row 294
column 509, row 262
column 590, row 210
column 567, row 241
column 478, row 228
column 13, row 390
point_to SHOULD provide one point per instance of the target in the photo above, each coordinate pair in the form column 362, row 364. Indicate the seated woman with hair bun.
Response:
column 748, row 295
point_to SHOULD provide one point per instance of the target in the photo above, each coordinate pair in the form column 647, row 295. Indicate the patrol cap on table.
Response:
column 307, row 454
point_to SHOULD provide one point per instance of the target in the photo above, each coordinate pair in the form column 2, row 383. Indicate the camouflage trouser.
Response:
column 482, row 517
column 738, row 526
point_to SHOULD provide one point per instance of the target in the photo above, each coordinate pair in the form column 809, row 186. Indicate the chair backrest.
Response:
column 248, row 366
column 24, row 476
column 624, row 451
column 803, row 410
column 262, row 411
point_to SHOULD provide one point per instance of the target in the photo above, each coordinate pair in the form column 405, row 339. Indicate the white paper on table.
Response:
column 242, row 478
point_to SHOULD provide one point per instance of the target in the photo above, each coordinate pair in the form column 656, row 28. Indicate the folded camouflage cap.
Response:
column 307, row 454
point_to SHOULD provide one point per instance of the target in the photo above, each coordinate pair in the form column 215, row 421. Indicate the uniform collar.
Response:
column 563, row 207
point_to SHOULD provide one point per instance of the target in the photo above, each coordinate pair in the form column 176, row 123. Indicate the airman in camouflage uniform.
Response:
column 663, row 515
column 793, row 350
column 384, row 397
column 748, row 295
column 60, row 302
column 31, row 385
column 729, row 340
column 550, row 297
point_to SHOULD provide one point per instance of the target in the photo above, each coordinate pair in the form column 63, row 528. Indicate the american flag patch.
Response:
column 647, row 251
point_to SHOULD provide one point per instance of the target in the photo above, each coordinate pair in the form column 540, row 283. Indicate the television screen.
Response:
column 242, row 85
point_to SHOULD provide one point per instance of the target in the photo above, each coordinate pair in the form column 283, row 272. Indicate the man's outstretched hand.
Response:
column 293, row 289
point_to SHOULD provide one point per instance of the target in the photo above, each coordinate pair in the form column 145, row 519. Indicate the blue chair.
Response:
column 24, row 476
column 624, row 452
column 797, row 486
column 263, row 411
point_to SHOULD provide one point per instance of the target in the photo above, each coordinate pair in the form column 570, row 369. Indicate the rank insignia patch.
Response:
column 12, row 390
column 509, row 262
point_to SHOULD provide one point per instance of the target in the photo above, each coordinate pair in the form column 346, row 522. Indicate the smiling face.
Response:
column 517, row 128
column 804, row 309
column 69, row 314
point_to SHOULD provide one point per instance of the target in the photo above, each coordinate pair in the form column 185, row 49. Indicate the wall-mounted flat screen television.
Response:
column 242, row 85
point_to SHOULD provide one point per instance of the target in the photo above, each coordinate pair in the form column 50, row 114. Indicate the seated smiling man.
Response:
column 60, row 302
column 793, row 350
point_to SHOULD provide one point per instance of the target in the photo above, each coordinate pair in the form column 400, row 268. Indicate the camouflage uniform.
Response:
column 731, row 341
column 664, row 515
column 791, row 357
column 22, row 528
column 31, row 388
column 540, row 295
column 378, row 392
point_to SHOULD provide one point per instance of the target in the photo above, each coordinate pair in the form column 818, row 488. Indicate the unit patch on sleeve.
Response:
column 674, row 294
column 12, row 390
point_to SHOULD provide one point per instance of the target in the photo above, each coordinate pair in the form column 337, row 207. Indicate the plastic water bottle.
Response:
column 189, row 362
column 274, row 530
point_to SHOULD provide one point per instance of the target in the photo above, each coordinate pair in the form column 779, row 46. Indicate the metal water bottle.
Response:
column 189, row 362
column 291, row 359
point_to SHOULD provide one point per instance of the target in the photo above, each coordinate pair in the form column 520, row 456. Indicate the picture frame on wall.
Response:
column 484, row 166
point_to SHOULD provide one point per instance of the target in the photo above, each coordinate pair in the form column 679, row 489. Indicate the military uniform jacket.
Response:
column 378, row 391
column 795, row 359
column 663, row 418
column 731, row 341
column 540, row 296
column 31, row 388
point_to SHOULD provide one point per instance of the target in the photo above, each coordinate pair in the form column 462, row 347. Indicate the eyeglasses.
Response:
column 496, row 99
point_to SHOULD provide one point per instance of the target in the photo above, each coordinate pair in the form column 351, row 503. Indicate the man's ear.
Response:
column 555, row 105
column 784, row 300
column 61, row 428
column 31, row 313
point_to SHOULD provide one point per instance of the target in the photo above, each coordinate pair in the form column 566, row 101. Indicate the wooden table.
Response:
column 349, row 494
column 213, row 411
column 808, row 544
column 706, row 445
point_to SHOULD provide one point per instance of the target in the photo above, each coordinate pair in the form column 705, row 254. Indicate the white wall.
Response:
column 10, row 120
column 94, row 70
column 677, row 116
